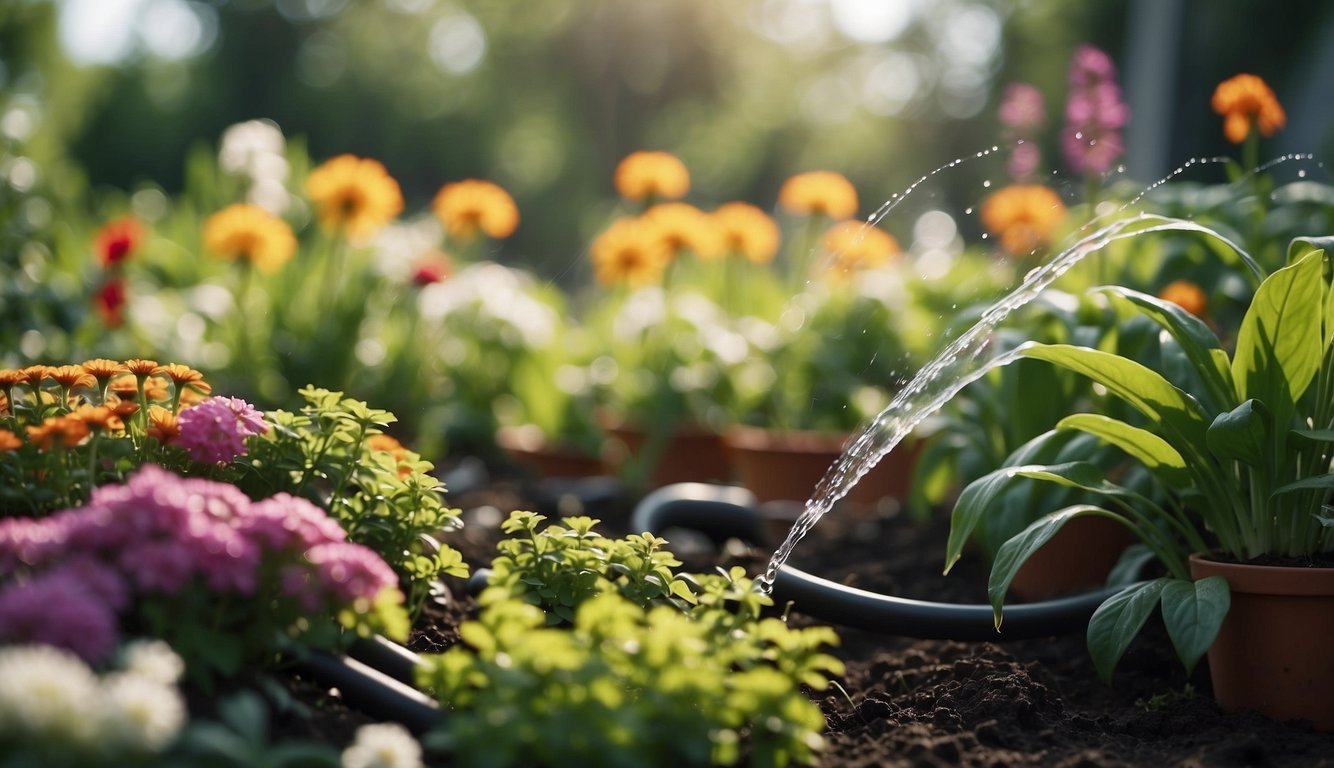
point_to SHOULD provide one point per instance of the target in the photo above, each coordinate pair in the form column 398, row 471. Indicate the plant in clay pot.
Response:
column 1242, row 442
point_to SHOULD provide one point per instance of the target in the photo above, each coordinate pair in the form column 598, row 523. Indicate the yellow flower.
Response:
column 819, row 192
column 1025, row 217
column 250, row 233
column 465, row 207
column 1186, row 295
column 683, row 227
column 1244, row 99
column 652, row 175
column 354, row 195
column 630, row 251
column 855, row 246
column 748, row 231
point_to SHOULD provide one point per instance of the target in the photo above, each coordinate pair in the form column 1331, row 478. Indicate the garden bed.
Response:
column 939, row 702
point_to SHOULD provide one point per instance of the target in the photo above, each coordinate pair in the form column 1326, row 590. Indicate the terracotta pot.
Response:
column 691, row 454
column 785, row 466
column 528, row 447
column 1273, row 652
column 1077, row 559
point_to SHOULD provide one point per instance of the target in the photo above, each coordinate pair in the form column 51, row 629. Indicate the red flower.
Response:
column 432, row 269
column 117, row 239
column 110, row 301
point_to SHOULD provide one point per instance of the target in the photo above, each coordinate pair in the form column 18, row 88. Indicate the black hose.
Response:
column 722, row 511
column 388, row 657
column 372, row 692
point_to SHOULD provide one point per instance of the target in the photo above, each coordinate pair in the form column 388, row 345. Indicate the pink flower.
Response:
column 288, row 522
column 350, row 572
column 1022, row 109
column 1094, row 113
column 215, row 430
column 58, row 608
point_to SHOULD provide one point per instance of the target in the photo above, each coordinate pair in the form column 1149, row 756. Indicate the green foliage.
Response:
column 1245, row 457
column 240, row 738
column 626, row 685
column 381, row 493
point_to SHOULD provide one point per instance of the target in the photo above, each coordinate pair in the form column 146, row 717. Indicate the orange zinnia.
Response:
column 819, row 192
column 683, row 227
column 394, row 448
column 251, row 234
column 630, row 251
column 1245, row 100
column 652, row 176
column 33, row 375
column 1186, row 295
column 748, row 231
column 855, row 246
column 58, row 430
column 9, row 441
column 71, row 376
column 354, row 195
column 98, row 417
column 140, row 367
column 1025, row 217
column 162, row 425
column 183, row 376
column 472, row 205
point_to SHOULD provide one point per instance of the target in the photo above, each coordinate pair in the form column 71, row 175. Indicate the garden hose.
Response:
column 721, row 511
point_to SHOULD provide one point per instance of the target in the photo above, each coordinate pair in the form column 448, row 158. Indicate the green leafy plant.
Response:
column 1245, row 452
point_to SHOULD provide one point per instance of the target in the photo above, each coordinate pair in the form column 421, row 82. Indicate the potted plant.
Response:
column 1243, row 443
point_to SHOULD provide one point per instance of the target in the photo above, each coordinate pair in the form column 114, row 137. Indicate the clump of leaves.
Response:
column 380, row 492
column 653, row 667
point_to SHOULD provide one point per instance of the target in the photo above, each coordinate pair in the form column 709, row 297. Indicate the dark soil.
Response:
column 909, row 702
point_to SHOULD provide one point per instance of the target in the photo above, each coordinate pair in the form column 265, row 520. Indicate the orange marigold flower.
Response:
column 472, row 205
column 98, row 417
column 249, row 233
column 1025, row 217
column 1186, row 295
column 116, row 240
column 11, row 376
column 4, row 403
column 856, row 246
column 819, row 192
column 58, row 430
column 141, row 368
column 124, row 408
column 747, row 230
column 183, row 376
column 109, row 302
column 1245, row 100
column 162, row 425
column 394, row 448
column 9, row 441
column 71, row 376
column 630, row 251
column 652, row 176
column 33, row 375
column 354, row 195
column 683, row 227
column 104, row 369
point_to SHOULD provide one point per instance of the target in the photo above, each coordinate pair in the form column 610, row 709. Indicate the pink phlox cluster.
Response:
column 59, row 608
column 1023, row 113
column 215, row 430
column 158, row 534
column 1094, row 113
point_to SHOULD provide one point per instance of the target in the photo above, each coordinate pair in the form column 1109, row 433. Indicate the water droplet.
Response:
column 968, row 211
column 1079, row 135
column 1301, row 174
column 986, row 182
column 984, row 235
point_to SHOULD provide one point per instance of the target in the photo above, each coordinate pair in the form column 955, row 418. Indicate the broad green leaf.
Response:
column 1278, row 351
column 977, row 497
column 1080, row 475
column 1155, row 453
column 1196, row 340
column 1117, row 621
column 1242, row 434
column 1014, row 552
column 1181, row 420
column 1317, row 435
column 1319, row 482
column 1193, row 611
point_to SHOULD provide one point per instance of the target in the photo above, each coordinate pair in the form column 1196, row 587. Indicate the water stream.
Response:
column 965, row 360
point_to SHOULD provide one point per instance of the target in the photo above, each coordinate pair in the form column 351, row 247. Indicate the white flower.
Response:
column 144, row 714
column 47, row 694
column 383, row 745
column 244, row 146
column 153, row 659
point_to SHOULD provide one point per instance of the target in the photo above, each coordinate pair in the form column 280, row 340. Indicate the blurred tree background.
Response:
column 546, row 96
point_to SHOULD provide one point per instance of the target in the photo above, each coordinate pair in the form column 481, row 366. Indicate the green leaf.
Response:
column 1080, row 475
column 1318, row 482
column 1117, row 621
column 1193, row 611
column 1155, row 453
column 973, row 503
column 1181, row 420
column 1196, row 340
column 1278, row 352
column 1018, row 549
column 1242, row 434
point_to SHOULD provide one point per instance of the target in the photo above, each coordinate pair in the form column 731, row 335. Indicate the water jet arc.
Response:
column 730, row 510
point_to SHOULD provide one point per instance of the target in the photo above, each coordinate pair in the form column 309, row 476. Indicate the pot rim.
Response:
column 1252, row 578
